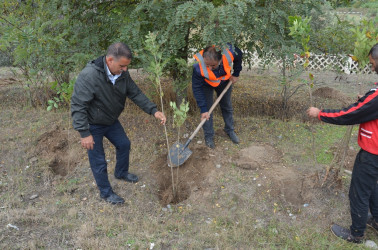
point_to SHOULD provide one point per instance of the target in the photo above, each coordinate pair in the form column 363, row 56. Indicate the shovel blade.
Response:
column 178, row 154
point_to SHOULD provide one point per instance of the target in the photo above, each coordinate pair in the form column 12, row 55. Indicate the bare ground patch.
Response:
column 257, row 156
column 288, row 185
column 57, row 150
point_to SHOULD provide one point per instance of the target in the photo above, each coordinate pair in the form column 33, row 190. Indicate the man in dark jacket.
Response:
column 363, row 192
column 212, row 73
column 98, row 99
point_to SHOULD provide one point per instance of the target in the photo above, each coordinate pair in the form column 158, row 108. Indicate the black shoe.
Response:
column 371, row 222
column 210, row 142
column 345, row 234
column 129, row 178
column 234, row 138
column 113, row 199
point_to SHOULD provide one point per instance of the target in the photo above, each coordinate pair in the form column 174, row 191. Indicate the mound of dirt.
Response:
column 257, row 156
column 330, row 93
column 53, row 147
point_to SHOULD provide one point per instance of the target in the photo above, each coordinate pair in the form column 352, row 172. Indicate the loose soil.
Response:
column 330, row 93
column 190, row 177
column 55, row 148
column 226, row 178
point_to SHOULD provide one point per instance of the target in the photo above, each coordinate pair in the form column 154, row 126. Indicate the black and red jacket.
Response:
column 363, row 112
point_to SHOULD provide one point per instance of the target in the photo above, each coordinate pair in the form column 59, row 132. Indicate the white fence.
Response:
column 318, row 62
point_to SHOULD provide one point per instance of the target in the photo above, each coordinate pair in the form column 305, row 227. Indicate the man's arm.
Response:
column 80, row 100
column 365, row 109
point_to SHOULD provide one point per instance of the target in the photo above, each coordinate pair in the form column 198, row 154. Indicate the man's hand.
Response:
column 205, row 115
column 234, row 79
column 313, row 112
column 160, row 116
column 87, row 142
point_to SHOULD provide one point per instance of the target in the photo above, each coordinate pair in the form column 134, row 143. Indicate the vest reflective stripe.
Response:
column 202, row 65
column 210, row 78
column 227, row 53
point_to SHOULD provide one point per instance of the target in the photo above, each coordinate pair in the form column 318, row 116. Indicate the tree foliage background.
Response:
column 51, row 40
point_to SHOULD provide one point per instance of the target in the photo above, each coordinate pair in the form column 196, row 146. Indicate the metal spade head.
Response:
column 178, row 154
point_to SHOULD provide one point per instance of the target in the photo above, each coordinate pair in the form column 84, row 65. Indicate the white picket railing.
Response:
column 317, row 62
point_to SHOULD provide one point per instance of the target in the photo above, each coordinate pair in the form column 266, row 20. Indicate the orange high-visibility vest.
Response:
column 209, row 76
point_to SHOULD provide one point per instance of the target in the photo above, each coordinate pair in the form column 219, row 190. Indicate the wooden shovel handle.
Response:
column 211, row 109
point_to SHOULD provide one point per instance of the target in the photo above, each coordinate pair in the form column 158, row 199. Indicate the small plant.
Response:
column 63, row 92
column 179, row 117
column 179, row 114
column 53, row 103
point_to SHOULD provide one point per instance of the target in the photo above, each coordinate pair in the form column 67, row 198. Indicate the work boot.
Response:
column 345, row 234
column 371, row 222
column 128, row 177
column 113, row 198
column 209, row 141
column 234, row 138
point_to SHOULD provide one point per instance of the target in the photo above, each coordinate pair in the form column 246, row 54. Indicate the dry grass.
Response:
column 230, row 212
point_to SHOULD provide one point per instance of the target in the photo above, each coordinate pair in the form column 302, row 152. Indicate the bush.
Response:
column 5, row 60
column 371, row 4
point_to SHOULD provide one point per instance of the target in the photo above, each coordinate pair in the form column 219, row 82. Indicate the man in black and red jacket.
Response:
column 363, row 192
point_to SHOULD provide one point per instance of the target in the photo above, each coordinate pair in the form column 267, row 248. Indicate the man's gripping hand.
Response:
column 87, row 142
column 160, row 116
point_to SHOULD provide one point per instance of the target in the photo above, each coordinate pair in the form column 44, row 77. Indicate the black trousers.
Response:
column 117, row 136
column 363, row 192
column 225, row 105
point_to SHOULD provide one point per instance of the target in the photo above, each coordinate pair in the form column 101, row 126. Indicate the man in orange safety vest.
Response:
column 212, row 73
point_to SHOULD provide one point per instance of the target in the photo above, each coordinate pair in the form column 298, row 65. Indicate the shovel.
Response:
column 180, row 153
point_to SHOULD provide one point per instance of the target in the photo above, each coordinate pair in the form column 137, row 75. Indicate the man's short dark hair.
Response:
column 212, row 53
column 374, row 52
column 118, row 50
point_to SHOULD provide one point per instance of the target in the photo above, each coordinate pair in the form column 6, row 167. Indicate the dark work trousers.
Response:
column 117, row 136
column 225, row 105
column 363, row 193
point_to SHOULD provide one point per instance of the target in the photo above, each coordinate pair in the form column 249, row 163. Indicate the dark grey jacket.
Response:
column 95, row 100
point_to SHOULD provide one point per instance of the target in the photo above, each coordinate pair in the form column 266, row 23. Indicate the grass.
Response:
column 234, row 214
